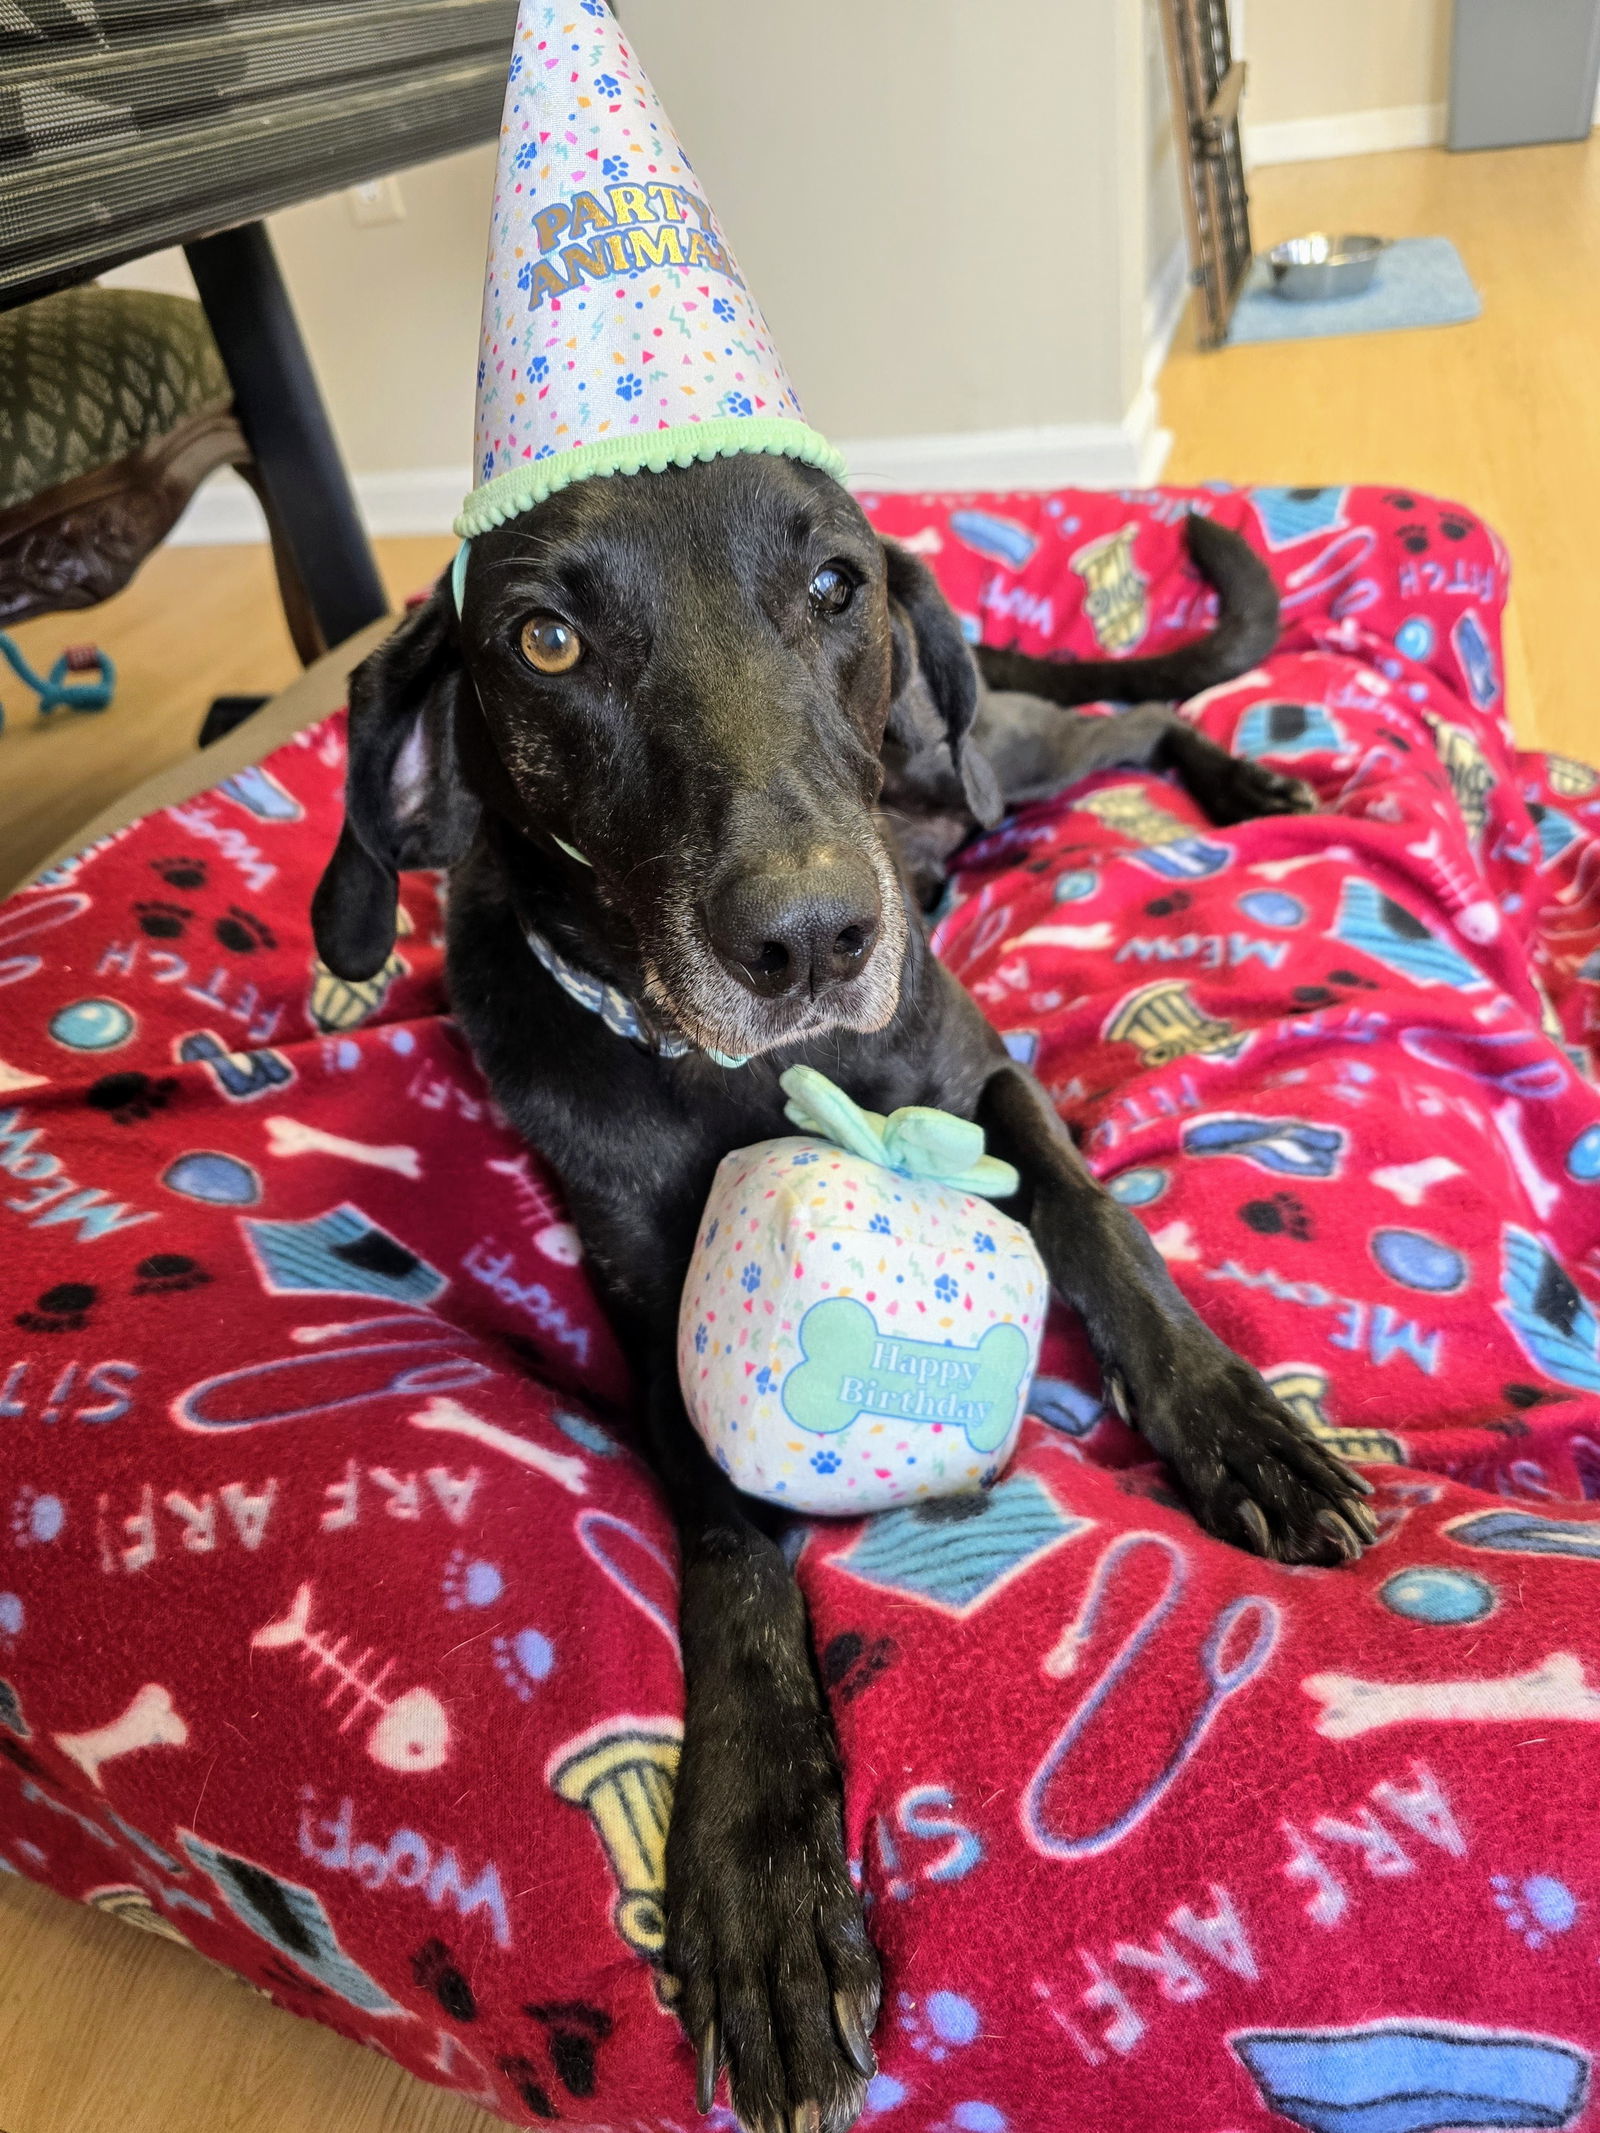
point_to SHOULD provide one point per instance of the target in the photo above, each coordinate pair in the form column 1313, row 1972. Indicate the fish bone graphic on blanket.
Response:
column 411, row 1732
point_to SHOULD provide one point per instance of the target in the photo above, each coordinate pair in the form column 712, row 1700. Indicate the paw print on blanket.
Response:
column 523, row 1662
column 182, row 871
column 1283, row 1215
column 435, row 1970
column 940, row 2024
column 243, row 932
column 129, row 1097
column 1538, row 1909
column 470, row 1582
column 37, row 1518
column 574, row 2030
column 850, row 1663
column 164, row 1273
column 65, row 1308
column 160, row 921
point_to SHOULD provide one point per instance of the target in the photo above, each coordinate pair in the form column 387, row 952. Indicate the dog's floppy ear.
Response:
column 405, row 802
column 934, row 682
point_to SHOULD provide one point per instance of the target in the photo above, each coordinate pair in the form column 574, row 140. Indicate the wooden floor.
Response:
column 1502, row 415
column 194, row 624
column 103, row 2030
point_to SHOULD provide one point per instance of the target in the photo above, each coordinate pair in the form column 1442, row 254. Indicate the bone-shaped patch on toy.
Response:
column 852, row 1369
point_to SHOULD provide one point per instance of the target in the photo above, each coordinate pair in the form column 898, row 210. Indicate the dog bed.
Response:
column 337, row 1631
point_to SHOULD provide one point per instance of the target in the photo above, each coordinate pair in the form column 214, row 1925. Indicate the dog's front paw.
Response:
column 1250, row 790
column 1253, row 1473
column 778, row 1980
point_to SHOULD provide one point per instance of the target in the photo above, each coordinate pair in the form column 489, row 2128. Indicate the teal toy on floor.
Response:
column 54, row 690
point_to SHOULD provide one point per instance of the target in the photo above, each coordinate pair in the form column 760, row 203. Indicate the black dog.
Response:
column 662, row 743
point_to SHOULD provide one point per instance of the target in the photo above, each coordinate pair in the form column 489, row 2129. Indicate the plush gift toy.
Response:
column 860, row 1326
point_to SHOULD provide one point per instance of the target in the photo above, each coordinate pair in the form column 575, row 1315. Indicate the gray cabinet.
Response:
column 1523, row 70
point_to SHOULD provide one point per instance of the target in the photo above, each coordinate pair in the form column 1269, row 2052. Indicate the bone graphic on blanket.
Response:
column 412, row 1731
column 852, row 1369
column 1555, row 1689
column 150, row 1721
column 622, row 1774
column 292, row 1136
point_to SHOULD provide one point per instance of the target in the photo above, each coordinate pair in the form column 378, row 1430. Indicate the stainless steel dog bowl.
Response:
column 1310, row 269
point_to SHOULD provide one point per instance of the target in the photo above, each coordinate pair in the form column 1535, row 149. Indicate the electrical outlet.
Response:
column 376, row 201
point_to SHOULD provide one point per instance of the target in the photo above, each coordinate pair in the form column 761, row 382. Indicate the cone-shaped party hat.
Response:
column 617, row 331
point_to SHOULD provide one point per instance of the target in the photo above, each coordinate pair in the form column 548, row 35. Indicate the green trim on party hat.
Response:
column 638, row 451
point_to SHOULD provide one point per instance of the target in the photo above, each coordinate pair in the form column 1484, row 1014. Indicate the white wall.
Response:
column 945, row 226
column 1346, row 79
column 390, row 315
column 953, row 235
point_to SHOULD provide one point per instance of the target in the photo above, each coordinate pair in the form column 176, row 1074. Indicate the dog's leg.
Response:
column 1036, row 750
column 1252, row 1473
column 764, row 1930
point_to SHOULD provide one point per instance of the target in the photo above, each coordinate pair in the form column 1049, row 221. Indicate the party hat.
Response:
column 618, row 333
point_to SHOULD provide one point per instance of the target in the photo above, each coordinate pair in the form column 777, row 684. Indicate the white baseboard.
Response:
column 408, row 500
column 1089, row 455
column 1344, row 133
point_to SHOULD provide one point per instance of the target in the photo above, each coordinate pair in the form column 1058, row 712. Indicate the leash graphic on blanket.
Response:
column 1224, row 1678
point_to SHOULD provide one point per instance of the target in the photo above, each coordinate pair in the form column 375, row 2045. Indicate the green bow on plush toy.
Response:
column 916, row 1141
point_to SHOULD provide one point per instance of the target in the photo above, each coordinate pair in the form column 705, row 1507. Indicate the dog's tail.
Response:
column 1246, row 631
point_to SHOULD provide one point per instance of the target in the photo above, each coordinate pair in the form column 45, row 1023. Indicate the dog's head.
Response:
column 677, row 687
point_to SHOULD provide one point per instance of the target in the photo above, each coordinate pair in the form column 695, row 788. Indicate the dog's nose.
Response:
column 799, row 929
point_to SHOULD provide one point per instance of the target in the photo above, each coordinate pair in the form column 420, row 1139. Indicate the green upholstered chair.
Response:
column 114, row 407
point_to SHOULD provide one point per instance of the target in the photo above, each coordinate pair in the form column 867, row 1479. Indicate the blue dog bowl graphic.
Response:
column 1413, row 2077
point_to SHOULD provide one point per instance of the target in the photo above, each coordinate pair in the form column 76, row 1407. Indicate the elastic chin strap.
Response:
column 458, row 587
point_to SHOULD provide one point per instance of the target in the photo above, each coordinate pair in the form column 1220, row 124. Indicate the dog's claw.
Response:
column 806, row 2118
column 1253, row 1519
column 1341, row 1535
column 706, row 2058
column 1362, row 1519
column 853, row 2036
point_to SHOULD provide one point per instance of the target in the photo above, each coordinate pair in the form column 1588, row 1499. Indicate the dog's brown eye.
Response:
column 551, row 645
column 832, row 589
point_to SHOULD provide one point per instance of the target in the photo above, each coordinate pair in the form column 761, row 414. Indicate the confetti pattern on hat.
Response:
column 618, row 333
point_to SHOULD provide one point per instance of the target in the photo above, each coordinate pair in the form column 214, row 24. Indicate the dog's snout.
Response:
column 797, row 929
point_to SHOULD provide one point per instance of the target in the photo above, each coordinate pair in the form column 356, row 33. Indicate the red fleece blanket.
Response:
column 337, row 1634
